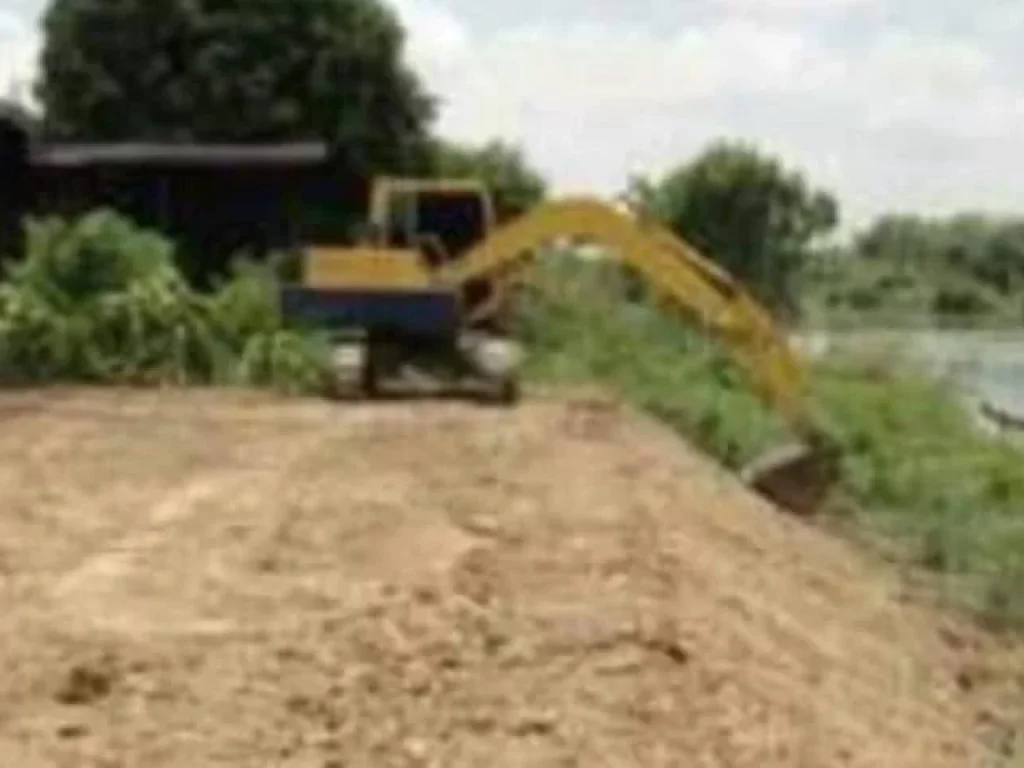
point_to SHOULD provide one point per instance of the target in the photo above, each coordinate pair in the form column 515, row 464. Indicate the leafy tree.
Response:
column 1004, row 267
column 227, row 70
column 983, row 250
column 515, row 185
column 745, row 210
column 948, row 269
column 901, row 241
column 989, row 250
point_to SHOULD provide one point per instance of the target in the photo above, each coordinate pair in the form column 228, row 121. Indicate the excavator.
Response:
column 427, row 285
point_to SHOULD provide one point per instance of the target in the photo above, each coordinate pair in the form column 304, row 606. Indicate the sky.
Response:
column 909, row 105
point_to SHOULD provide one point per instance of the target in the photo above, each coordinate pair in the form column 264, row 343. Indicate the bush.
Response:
column 99, row 300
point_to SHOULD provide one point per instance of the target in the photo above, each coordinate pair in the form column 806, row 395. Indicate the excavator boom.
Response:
column 795, row 476
column 694, row 284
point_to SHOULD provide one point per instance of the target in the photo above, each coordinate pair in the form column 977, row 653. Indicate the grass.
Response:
column 579, row 327
column 917, row 472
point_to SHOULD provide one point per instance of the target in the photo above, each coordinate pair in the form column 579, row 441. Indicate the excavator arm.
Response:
column 698, row 287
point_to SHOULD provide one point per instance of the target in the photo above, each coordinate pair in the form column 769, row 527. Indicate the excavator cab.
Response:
column 441, row 220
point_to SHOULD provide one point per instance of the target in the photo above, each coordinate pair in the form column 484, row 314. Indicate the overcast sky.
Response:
column 908, row 104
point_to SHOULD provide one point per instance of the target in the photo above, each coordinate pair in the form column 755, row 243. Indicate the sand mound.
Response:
column 219, row 580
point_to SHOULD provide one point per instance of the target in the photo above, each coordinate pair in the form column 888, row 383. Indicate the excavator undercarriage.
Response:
column 425, row 297
column 382, row 365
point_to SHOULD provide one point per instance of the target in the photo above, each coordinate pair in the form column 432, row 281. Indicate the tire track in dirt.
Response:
column 100, row 592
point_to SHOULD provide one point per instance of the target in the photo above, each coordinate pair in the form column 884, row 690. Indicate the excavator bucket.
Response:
column 796, row 477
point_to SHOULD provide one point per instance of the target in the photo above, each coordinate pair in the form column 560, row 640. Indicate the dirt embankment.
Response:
column 217, row 580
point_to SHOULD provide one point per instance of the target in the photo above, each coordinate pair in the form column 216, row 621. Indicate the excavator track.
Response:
column 487, row 365
column 348, row 370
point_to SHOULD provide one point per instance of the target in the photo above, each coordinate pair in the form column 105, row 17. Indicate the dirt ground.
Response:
column 227, row 580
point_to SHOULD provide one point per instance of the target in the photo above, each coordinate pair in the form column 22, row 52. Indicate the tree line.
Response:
column 336, row 70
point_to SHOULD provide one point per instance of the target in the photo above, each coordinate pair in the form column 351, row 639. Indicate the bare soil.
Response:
column 223, row 579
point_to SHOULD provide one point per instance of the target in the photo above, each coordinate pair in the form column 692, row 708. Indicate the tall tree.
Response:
column 745, row 210
column 228, row 70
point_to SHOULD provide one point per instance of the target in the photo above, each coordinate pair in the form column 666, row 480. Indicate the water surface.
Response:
column 987, row 366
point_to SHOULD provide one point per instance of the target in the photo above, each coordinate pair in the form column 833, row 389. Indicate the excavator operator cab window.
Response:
column 441, row 225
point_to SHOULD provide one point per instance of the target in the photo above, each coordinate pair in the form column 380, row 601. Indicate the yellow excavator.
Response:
column 425, row 286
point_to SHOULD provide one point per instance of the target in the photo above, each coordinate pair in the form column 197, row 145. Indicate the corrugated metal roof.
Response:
column 130, row 153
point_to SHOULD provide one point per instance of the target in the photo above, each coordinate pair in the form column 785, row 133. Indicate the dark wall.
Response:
column 213, row 209
column 13, row 183
column 212, row 213
column 214, row 201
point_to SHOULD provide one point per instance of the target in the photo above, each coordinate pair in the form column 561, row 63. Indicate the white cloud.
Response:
column 777, row 8
column 593, row 70
column 10, row 25
column 19, row 47
column 436, row 36
column 876, row 121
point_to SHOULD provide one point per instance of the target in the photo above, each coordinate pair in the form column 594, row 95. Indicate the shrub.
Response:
column 98, row 299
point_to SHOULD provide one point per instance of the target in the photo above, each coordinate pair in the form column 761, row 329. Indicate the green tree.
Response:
column 515, row 185
column 970, row 263
column 227, row 70
column 745, row 210
column 903, row 242
column 986, row 249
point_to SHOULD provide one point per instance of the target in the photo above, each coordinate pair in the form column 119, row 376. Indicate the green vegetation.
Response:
column 917, row 472
column 100, row 300
column 966, row 270
column 579, row 326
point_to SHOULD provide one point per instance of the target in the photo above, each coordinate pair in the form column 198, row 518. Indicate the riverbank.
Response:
column 985, row 366
column 919, row 477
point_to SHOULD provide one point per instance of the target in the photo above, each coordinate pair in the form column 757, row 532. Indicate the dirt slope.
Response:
column 219, row 580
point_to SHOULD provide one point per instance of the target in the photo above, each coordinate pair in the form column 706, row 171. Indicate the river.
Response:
column 987, row 366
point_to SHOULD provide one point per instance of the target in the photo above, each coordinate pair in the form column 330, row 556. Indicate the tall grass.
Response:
column 917, row 474
column 100, row 300
column 586, row 322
